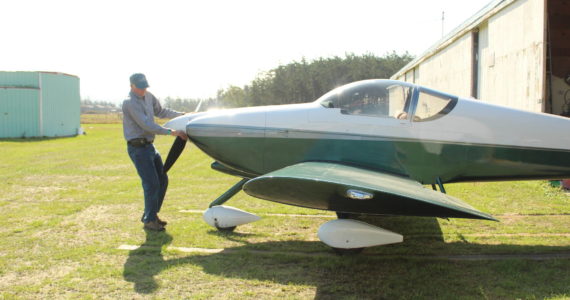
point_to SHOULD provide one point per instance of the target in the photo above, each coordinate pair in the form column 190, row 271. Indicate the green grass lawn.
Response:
column 68, row 204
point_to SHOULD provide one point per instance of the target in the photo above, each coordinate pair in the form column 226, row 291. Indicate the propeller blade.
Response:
column 174, row 153
column 199, row 105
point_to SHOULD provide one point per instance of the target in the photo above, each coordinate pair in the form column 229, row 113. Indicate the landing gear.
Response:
column 229, row 193
column 347, row 252
column 343, row 251
column 227, row 218
column 345, row 235
column 345, row 215
column 226, row 229
column 349, row 237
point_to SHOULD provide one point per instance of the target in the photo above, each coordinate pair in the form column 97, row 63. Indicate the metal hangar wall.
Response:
column 39, row 104
column 511, row 52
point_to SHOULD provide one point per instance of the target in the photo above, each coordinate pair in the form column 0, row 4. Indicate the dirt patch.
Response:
column 35, row 276
column 94, row 224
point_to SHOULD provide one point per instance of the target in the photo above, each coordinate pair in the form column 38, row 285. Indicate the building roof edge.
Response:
column 483, row 14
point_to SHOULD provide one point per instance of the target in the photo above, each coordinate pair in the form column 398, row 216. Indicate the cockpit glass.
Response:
column 373, row 98
column 433, row 106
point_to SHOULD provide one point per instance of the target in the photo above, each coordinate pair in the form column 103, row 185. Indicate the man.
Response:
column 140, row 129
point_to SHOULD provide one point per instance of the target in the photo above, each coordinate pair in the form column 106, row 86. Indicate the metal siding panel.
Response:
column 512, row 64
column 19, row 113
column 61, row 104
column 19, row 79
column 473, row 22
column 450, row 69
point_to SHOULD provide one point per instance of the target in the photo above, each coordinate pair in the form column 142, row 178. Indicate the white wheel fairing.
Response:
column 226, row 216
column 350, row 234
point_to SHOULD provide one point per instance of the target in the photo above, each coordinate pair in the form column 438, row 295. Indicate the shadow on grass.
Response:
column 392, row 271
column 146, row 262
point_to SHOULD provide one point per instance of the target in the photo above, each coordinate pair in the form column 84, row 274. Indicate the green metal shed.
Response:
column 39, row 104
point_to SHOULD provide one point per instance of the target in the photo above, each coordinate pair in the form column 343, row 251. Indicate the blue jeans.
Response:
column 154, row 181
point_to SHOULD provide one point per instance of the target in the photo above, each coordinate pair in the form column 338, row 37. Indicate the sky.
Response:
column 191, row 49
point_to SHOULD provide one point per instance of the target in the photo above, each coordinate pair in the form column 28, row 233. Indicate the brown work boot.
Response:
column 161, row 222
column 154, row 226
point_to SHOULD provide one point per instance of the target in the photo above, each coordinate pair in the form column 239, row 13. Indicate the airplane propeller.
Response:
column 174, row 153
column 177, row 147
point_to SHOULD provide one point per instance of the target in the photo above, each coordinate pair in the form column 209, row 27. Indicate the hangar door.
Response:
column 558, row 57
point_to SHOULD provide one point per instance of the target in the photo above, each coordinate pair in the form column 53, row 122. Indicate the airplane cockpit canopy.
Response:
column 375, row 98
column 388, row 99
column 432, row 105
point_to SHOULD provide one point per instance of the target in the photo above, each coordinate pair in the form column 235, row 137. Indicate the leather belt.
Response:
column 141, row 142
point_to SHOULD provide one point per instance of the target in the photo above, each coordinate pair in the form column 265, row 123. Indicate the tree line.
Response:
column 305, row 81
column 299, row 81
column 189, row 105
column 89, row 102
column 296, row 82
column 89, row 106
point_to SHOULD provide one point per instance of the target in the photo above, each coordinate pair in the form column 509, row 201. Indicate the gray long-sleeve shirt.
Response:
column 138, row 117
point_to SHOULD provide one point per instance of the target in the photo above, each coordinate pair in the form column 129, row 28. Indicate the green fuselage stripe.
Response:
column 248, row 150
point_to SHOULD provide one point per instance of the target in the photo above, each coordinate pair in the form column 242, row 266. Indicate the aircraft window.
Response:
column 376, row 99
column 431, row 106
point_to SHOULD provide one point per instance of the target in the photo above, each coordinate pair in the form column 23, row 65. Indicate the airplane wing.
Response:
column 336, row 187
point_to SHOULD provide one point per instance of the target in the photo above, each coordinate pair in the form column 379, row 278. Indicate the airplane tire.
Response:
column 226, row 229
column 347, row 252
column 344, row 215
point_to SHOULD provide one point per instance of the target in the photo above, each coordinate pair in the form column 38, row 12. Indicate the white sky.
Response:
column 191, row 49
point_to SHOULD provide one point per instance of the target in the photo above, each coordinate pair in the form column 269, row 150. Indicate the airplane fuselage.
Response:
column 475, row 141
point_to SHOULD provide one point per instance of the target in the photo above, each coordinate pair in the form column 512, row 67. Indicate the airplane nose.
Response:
column 233, row 137
column 179, row 123
column 228, row 123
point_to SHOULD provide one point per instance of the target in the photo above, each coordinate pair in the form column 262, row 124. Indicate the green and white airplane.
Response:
column 369, row 147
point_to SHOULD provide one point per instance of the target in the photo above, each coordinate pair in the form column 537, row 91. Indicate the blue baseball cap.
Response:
column 139, row 80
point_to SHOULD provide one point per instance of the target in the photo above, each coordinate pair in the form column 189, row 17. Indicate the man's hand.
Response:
column 179, row 133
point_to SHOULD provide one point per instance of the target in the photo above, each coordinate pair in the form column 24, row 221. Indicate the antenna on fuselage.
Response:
column 442, row 22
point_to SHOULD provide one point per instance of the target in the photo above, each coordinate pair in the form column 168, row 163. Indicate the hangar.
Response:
column 39, row 104
column 511, row 52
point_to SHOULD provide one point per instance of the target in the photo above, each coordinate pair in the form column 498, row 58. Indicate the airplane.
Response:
column 371, row 147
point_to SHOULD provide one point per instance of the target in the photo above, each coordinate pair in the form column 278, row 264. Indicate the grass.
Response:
column 106, row 118
column 68, row 204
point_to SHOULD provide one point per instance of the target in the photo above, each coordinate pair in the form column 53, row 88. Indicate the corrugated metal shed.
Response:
column 39, row 104
column 19, row 115
column 19, row 79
